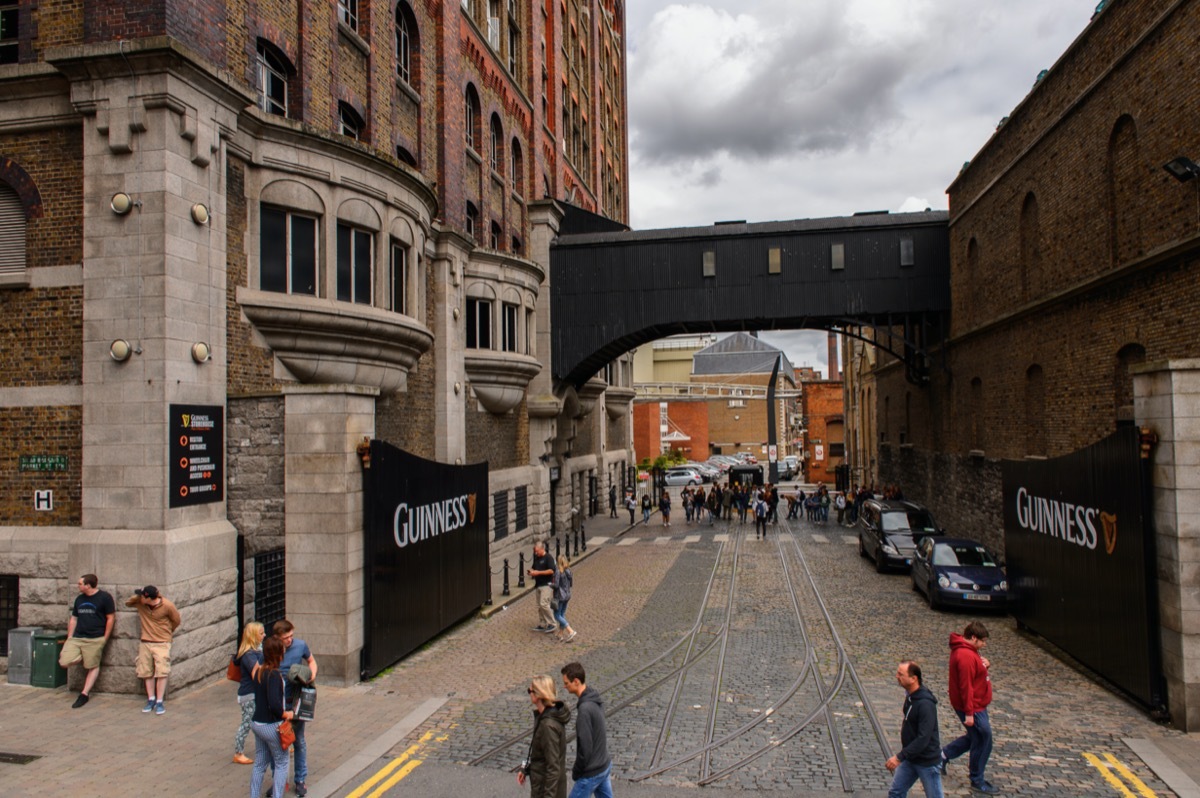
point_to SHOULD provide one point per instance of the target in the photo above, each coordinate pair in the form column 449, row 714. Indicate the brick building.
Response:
column 822, row 412
column 1075, row 263
column 326, row 221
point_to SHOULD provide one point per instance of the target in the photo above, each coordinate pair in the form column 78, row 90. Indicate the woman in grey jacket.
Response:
column 546, row 765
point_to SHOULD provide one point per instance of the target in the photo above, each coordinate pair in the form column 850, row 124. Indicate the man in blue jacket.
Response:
column 921, row 756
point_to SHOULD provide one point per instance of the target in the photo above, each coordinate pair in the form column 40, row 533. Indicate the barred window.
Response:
column 500, row 513
column 521, row 507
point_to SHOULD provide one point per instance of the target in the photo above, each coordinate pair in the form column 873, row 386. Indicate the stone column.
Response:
column 544, row 219
column 1167, row 401
column 323, row 490
column 449, row 254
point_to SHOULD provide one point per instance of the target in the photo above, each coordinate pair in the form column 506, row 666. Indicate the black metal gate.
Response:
column 1081, row 559
column 270, row 587
column 425, row 551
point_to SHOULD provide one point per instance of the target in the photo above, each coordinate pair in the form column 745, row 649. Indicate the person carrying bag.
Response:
column 271, row 724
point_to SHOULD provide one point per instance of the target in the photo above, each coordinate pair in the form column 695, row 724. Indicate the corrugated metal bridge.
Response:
column 884, row 278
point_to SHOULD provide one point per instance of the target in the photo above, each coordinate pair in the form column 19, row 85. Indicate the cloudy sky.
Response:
column 788, row 109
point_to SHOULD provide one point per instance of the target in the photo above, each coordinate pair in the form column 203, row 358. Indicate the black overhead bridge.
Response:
column 884, row 278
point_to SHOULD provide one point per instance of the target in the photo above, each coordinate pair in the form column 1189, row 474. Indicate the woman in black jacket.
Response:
column 269, row 711
column 546, row 764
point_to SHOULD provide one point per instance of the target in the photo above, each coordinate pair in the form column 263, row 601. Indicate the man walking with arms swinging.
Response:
column 970, row 695
column 592, row 771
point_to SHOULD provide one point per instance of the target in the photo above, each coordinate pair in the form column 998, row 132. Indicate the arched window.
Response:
column 1031, row 248
column 1124, row 186
column 1035, row 411
column 471, row 117
column 273, row 73
column 12, row 232
column 406, row 29
column 349, row 122
column 496, row 240
column 517, row 168
column 472, row 220
column 496, row 151
column 1129, row 356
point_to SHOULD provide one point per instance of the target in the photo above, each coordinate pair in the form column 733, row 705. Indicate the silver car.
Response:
column 682, row 476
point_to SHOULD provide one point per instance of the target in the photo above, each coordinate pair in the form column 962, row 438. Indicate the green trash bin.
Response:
column 46, row 672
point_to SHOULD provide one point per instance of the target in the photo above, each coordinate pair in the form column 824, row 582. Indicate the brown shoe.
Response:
column 242, row 759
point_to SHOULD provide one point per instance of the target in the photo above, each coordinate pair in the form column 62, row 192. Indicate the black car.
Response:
column 888, row 531
column 958, row 571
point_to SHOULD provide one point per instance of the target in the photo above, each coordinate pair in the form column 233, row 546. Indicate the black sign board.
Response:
column 197, row 454
column 1081, row 559
column 425, row 551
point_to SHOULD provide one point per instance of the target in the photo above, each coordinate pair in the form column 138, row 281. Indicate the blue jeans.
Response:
column 560, row 615
column 594, row 785
column 268, row 753
column 906, row 776
column 977, row 740
column 301, row 752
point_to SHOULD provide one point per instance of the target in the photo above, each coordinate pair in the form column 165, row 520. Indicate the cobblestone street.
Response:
column 655, row 587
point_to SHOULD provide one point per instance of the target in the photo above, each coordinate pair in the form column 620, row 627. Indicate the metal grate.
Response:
column 500, row 513
column 9, row 584
column 270, row 587
column 18, row 759
column 521, row 500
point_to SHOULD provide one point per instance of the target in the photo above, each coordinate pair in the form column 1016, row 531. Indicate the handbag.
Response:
column 287, row 735
column 233, row 672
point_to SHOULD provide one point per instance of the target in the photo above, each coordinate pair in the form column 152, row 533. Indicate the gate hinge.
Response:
column 364, row 451
column 1148, row 438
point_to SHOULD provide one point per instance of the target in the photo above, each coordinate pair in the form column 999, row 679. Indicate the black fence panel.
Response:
column 9, row 599
column 425, row 551
column 521, row 507
column 270, row 587
column 1081, row 559
column 500, row 513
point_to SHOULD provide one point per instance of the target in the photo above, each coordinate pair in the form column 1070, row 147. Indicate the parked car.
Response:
column 959, row 572
column 746, row 458
column 789, row 467
column 888, row 531
column 709, row 473
column 718, row 463
column 682, row 476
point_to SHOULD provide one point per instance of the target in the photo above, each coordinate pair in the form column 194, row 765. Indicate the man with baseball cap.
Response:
column 159, row 620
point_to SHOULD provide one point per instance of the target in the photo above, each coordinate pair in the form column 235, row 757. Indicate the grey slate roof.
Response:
column 740, row 353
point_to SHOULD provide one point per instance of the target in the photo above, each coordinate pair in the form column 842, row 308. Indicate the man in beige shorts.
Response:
column 88, row 630
column 159, row 620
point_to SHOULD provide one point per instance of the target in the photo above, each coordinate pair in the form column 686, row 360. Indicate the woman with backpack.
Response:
column 248, row 657
column 270, row 710
column 562, row 582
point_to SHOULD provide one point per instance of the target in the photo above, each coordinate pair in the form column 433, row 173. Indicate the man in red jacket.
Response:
column 970, row 694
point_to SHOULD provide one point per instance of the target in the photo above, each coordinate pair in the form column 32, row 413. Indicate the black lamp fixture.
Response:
column 1182, row 168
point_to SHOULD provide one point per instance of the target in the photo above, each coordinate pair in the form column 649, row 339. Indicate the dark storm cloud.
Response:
column 708, row 82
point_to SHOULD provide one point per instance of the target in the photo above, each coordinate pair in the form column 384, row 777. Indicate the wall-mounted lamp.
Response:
column 201, row 352
column 457, row 388
column 200, row 213
column 120, row 350
column 1182, row 169
column 454, row 313
column 122, row 203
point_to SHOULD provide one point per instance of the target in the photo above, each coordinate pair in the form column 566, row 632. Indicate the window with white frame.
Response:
column 517, row 167
column 496, row 239
column 479, row 323
column 530, row 327
column 272, row 81
column 287, row 252
column 349, row 122
column 398, row 278
column 348, row 13
column 10, row 48
column 496, row 154
column 403, row 44
column 472, row 220
column 355, row 249
column 471, row 117
column 508, row 326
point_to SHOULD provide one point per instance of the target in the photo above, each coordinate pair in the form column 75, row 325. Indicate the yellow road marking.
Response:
column 1106, row 770
column 395, row 779
column 389, row 767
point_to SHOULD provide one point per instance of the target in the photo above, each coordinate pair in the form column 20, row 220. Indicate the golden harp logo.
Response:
column 1109, row 522
column 471, row 507
column 187, row 420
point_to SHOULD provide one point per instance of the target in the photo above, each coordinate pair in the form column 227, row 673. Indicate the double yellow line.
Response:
column 1111, row 763
column 393, row 772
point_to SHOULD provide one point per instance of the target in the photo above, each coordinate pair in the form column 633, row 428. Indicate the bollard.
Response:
column 557, row 549
column 582, row 537
column 505, row 592
column 521, row 573
column 575, row 536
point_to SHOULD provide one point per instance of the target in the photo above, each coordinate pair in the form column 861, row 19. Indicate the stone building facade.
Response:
column 1074, row 258
column 330, row 221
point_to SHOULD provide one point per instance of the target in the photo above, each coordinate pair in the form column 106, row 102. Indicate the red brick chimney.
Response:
column 833, row 357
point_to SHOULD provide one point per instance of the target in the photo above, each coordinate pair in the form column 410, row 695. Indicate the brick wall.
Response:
column 53, row 161
column 690, row 418
column 254, row 462
column 502, row 441
column 249, row 365
column 40, row 431
column 822, row 406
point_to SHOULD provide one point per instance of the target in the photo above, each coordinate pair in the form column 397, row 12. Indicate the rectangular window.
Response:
column 399, row 278
column 287, row 252
column 354, row 251
column 9, row 599
column 837, row 450
column 500, row 513
column 530, row 327
column 479, row 323
column 272, row 85
column 348, row 13
column 508, row 329
column 9, row 42
column 521, row 502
